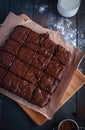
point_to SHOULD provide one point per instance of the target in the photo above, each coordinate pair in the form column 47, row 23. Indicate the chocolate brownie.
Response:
column 26, row 90
column 11, row 82
column 34, row 40
column 2, row 73
column 33, row 75
column 6, row 59
column 49, row 45
column 11, row 46
column 33, row 37
column 44, row 51
column 48, row 83
column 40, row 97
column 34, row 65
column 19, row 68
column 33, row 46
column 20, row 34
column 26, row 55
column 62, row 54
column 40, row 61
column 55, row 69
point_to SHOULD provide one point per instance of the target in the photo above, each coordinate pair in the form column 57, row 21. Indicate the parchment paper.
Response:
column 13, row 20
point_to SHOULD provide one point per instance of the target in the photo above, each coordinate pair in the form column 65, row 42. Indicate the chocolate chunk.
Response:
column 20, row 34
column 6, row 59
column 11, row 46
column 19, row 68
column 48, row 83
column 40, row 97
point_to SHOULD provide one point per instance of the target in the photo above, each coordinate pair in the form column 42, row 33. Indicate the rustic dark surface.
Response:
column 11, row 115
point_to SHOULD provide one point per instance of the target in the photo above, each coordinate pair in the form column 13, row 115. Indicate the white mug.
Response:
column 73, row 123
column 68, row 8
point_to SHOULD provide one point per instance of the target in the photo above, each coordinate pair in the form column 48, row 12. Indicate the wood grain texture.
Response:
column 22, row 6
column 81, row 44
column 77, row 81
column 12, row 115
column 3, row 6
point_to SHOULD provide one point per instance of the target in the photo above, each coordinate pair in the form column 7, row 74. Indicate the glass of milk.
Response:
column 68, row 8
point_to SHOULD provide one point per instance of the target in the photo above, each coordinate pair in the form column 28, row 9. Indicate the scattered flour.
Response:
column 42, row 8
column 81, row 40
column 63, row 25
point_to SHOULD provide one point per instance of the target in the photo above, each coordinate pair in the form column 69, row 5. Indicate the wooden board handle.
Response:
column 24, row 16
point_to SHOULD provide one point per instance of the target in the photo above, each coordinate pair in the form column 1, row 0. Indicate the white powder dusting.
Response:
column 63, row 25
column 42, row 8
column 81, row 40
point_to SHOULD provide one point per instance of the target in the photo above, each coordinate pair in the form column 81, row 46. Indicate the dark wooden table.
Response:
column 45, row 13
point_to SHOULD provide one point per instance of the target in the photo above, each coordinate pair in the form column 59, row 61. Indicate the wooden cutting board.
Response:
column 76, row 83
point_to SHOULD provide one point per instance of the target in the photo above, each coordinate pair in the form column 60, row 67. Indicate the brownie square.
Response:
column 26, row 55
column 11, row 82
column 20, row 34
column 2, row 73
column 63, row 55
column 33, row 46
column 44, row 51
column 36, row 39
column 38, row 68
column 26, row 90
column 55, row 69
column 48, row 83
column 33, row 75
column 33, row 38
column 6, row 59
column 49, row 45
column 40, row 61
column 40, row 97
column 11, row 46
column 33, row 41
column 19, row 68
